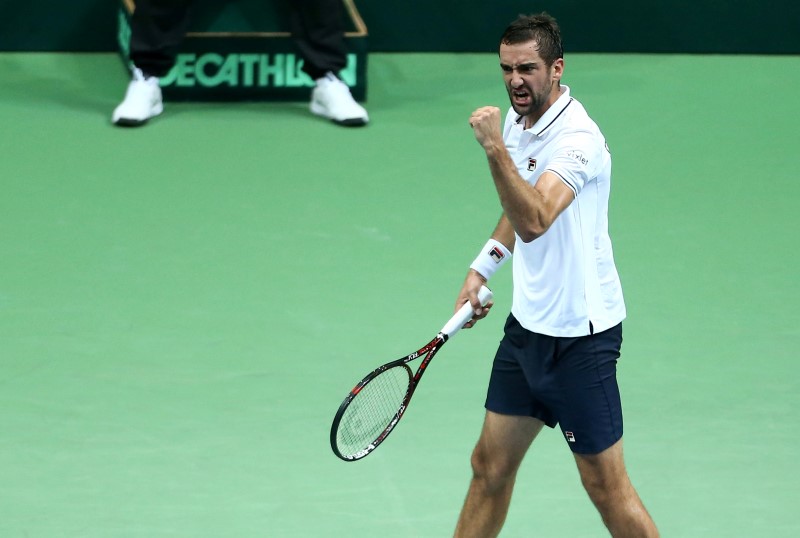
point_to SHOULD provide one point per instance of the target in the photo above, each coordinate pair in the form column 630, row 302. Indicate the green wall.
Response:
column 702, row 26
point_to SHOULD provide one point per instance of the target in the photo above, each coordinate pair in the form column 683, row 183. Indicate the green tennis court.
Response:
column 184, row 306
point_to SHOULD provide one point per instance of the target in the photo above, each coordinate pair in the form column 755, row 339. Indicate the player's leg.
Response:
column 606, row 481
column 513, row 420
column 590, row 416
column 495, row 460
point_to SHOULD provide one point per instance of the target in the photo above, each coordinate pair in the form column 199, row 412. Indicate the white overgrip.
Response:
column 465, row 313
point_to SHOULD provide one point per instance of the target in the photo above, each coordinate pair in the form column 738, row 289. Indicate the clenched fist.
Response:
column 485, row 123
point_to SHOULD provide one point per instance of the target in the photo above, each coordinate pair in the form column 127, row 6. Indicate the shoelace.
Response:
column 336, row 86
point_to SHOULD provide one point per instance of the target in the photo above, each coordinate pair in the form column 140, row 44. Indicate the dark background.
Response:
column 682, row 26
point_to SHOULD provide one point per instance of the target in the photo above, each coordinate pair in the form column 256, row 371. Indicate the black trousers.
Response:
column 158, row 27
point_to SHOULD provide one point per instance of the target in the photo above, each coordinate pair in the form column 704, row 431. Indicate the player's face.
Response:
column 532, row 86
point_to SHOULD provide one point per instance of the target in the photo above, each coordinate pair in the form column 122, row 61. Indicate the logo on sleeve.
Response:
column 531, row 165
column 570, row 436
column 578, row 156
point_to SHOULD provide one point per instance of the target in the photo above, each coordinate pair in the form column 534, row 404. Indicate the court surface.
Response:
column 184, row 306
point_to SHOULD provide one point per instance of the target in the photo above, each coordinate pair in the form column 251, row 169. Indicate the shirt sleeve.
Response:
column 577, row 159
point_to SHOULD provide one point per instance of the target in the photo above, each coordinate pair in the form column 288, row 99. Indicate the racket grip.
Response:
column 465, row 313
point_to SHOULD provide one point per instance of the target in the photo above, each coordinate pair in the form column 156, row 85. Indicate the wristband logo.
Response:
column 496, row 254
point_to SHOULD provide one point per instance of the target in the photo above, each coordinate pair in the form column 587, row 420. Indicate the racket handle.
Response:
column 465, row 313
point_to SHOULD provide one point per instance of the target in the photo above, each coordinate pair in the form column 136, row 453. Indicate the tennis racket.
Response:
column 374, row 407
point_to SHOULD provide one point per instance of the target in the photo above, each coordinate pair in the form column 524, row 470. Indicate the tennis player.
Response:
column 556, row 363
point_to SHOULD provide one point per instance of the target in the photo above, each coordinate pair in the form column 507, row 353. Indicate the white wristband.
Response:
column 493, row 255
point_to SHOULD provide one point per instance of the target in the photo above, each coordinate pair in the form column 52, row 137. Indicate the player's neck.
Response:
column 533, row 117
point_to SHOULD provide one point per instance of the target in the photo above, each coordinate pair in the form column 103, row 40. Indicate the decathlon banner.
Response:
column 219, row 59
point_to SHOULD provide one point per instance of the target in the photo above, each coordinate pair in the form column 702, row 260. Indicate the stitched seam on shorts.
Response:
column 605, row 391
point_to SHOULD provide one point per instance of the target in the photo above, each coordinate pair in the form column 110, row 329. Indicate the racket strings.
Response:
column 372, row 409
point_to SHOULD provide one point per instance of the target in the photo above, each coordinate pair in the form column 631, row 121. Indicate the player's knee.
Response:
column 492, row 470
column 600, row 491
column 605, row 490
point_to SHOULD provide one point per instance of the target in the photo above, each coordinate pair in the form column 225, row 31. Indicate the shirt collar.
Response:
column 551, row 114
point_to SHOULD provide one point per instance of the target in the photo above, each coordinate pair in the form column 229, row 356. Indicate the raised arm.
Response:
column 530, row 209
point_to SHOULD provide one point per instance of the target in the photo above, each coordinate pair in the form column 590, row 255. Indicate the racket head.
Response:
column 370, row 412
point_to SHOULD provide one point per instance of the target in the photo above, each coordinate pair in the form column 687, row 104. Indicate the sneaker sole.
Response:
column 349, row 122
column 130, row 122
column 126, row 122
column 353, row 122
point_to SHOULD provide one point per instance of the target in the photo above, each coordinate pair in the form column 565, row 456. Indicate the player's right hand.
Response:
column 469, row 292
column 485, row 123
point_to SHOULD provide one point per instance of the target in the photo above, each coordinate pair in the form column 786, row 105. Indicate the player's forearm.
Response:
column 504, row 233
column 522, row 204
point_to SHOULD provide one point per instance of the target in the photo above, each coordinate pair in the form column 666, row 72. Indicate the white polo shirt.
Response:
column 566, row 278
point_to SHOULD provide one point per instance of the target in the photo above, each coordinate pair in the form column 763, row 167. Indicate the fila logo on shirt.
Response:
column 570, row 436
column 531, row 165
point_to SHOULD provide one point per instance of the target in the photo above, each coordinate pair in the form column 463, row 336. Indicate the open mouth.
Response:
column 521, row 97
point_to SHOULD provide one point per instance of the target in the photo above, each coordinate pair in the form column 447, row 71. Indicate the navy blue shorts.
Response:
column 571, row 382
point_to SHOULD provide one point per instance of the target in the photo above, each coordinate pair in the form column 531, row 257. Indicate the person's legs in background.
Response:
column 318, row 29
column 157, row 30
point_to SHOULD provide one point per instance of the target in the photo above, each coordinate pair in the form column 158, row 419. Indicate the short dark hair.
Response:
column 541, row 28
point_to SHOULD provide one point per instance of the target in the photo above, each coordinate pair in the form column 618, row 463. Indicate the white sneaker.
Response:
column 332, row 99
column 142, row 101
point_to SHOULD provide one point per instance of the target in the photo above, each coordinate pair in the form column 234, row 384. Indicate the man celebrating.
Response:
column 556, row 363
